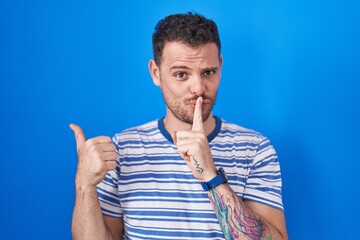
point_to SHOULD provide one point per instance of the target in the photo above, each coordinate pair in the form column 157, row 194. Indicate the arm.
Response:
column 88, row 221
column 238, row 220
column 96, row 157
column 246, row 220
column 115, row 226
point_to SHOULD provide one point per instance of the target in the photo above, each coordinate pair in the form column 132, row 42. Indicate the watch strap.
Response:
column 216, row 181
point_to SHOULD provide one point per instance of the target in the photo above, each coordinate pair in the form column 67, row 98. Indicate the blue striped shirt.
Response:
column 155, row 193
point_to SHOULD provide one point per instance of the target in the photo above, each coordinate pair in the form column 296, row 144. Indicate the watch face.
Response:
column 222, row 173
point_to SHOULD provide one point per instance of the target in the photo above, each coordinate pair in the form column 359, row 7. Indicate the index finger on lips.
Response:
column 197, row 120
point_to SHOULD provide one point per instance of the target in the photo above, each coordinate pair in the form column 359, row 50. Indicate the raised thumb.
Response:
column 79, row 135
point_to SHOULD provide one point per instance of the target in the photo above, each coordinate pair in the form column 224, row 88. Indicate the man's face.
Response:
column 187, row 73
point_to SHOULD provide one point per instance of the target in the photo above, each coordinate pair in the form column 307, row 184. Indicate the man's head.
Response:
column 187, row 64
column 190, row 29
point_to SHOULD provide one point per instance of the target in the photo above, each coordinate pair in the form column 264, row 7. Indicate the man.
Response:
column 167, row 179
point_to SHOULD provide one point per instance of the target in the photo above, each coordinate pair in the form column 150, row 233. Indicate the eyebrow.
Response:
column 211, row 68
column 180, row 67
column 187, row 68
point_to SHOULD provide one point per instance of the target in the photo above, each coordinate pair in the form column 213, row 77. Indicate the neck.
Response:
column 172, row 124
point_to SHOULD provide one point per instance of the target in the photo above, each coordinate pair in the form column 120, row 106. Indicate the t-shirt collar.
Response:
column 210, row 137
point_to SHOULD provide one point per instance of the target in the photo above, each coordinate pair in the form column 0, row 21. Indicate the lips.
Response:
column 193, row 104
column 193, row 101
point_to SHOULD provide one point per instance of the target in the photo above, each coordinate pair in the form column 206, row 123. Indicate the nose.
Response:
column 197, row 86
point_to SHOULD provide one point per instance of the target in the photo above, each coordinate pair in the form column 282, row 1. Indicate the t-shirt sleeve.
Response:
column 264, row 180
column 108, row 192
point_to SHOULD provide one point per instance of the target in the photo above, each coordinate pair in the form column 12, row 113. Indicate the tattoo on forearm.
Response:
column 197, row 165
column 236, row 220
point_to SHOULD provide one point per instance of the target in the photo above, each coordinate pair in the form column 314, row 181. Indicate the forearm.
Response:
column 88, row 222
column 237, row 221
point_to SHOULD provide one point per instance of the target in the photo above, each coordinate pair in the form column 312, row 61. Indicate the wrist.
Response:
column 82, row 185
column 220, row 178
column 210, row 175
column 85, row 190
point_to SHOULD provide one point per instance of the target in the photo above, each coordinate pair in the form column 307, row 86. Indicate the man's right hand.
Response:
column 96, row 156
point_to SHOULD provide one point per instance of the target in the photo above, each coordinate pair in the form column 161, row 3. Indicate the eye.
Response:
column 181, row 75
column 209, row 73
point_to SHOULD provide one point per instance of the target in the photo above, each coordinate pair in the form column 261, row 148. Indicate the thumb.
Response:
column 79, row 135
column 198, row 121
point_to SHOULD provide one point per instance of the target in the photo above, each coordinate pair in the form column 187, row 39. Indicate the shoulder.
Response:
column 232, row 130
column 142, row 131
column 247, row 137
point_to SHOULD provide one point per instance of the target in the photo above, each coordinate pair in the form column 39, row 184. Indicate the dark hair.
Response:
column 191, row 29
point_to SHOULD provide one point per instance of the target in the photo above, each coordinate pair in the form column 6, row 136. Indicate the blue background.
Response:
column 291, row 71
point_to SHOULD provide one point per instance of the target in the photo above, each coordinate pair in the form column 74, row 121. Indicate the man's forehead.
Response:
column 178, row 53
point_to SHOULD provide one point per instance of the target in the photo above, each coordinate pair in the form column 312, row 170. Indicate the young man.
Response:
column 189, row 175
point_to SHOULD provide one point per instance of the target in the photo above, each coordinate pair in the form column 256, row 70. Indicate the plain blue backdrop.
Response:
column 291, row 71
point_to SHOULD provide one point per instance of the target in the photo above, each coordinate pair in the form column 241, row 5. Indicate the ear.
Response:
column 221, row 61
column 154, row 72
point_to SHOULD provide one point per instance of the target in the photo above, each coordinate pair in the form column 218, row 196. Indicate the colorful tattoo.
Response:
column 236, row 220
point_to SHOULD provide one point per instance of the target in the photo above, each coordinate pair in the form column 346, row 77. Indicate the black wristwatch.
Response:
column 216, row 181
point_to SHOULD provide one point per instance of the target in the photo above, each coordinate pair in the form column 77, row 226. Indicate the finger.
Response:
column 186, row 149
column 103, row 147
column 188, row 135
column 79, row 135
column 100, row 140
column 186, row 142
column 184, row 156
column 197, row 121
column 108, row 156
column 110, row 165
column 108, row 147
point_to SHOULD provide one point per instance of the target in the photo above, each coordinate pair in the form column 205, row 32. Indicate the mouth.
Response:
column 193, row 101
column 192, row 104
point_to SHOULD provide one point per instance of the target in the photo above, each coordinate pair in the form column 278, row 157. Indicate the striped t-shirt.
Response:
column 155, row 192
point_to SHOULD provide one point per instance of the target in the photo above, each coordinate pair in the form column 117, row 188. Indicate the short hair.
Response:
column 192, row 29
